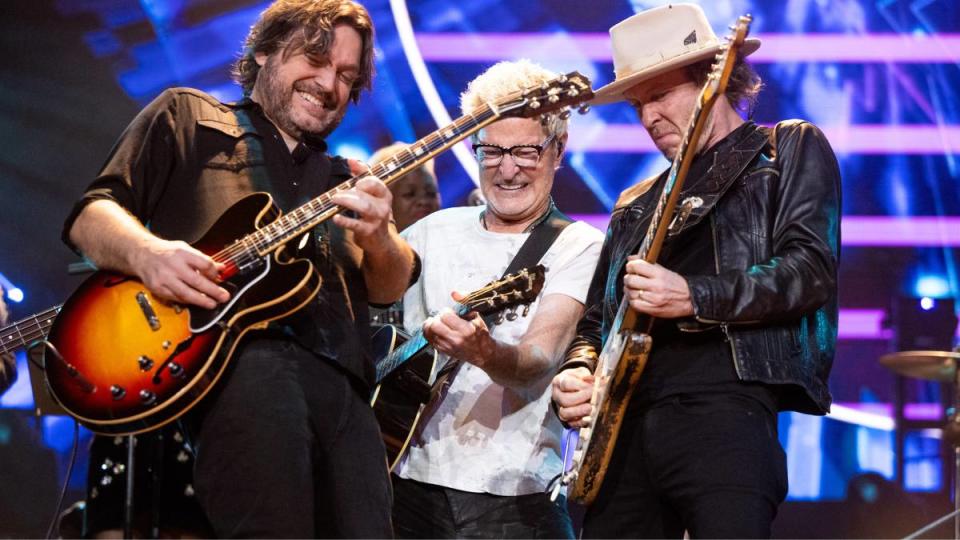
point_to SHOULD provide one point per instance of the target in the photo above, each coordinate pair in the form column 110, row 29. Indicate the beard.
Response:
column 277, row 102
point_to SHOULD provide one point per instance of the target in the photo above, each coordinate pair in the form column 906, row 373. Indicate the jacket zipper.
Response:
column 723, row 325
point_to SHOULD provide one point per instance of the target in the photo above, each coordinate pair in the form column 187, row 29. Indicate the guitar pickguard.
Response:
column 202, row 319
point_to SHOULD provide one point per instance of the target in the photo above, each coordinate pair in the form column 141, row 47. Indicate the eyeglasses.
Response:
column 524, row 155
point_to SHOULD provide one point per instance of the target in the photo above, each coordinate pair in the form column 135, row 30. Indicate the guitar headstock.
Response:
column 726, row 59
column 560, row 92
column 513, row 290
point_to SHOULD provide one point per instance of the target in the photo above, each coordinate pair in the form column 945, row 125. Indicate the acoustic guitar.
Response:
column 406, row 366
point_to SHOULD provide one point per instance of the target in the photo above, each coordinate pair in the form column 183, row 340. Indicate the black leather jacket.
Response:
column 773, row 204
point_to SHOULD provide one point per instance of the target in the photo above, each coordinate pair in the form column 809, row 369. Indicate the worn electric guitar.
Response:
column 628, row 344
column 25, row 332
column 406, row 365
column 125, row 362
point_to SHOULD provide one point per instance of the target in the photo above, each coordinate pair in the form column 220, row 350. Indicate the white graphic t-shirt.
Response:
column 482, row 437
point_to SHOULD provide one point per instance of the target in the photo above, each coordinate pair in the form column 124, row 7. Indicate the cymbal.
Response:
column 930, row 365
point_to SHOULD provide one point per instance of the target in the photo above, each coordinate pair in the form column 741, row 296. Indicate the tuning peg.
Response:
column 534, row 104
column 553, row 98
column 512, row 315
column 573, row 92
column 526, row 309
column 565, row 114
column 498, row 319
column 583, row 108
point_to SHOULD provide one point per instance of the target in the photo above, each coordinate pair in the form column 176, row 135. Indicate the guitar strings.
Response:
column 469, row 302
column 310, row 214
column 28, row 335
column 292, row 223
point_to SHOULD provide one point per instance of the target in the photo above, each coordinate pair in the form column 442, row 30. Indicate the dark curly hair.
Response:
column 743, row 87
column 305, row 26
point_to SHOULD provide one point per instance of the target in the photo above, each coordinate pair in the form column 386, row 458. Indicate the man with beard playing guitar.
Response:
column 287, row 445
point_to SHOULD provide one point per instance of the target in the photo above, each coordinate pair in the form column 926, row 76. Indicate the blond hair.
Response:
column 505, row 78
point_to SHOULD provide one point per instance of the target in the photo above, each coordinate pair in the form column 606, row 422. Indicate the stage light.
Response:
column 353, row 150
column 931, row 286
column 10, row 291
column 15, row 295
column 927, row 303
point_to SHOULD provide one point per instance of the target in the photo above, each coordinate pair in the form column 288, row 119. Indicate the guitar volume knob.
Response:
column 117, row 392
column 144, row 362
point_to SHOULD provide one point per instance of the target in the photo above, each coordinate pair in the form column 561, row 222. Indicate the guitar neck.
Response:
column 666, row 206
column 24, row 332
column 408, row 350
column 667, row 203
column 294, row 223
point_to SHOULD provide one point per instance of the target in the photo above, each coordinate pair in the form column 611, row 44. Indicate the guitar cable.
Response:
column 76, row 439
column 66, row 480
column 556, row 483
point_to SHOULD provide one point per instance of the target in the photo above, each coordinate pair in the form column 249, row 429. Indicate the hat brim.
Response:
column 613, row 92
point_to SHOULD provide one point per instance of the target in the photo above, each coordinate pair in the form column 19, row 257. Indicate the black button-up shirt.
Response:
column 187, row 158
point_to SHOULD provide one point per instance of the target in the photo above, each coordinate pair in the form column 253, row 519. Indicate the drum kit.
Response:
column 937, row 366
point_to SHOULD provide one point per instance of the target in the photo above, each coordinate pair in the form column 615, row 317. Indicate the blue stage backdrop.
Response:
column 879, row 76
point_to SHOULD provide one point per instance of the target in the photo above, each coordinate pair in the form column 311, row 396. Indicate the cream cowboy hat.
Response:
column 658, row 40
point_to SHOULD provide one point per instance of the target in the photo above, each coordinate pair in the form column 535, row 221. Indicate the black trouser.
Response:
column 288, row 448
column 428, row 511
column 709, row 465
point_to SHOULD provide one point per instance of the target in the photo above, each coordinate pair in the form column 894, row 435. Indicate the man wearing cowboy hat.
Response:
column 745, row 297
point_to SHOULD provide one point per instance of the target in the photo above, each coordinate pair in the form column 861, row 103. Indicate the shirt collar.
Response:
column 305, row 146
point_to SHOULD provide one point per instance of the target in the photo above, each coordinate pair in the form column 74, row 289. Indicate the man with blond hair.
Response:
column 488, row 445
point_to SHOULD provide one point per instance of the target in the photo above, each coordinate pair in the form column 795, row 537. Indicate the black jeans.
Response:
column 429, row 511
column 287, row 448
column 710, row 465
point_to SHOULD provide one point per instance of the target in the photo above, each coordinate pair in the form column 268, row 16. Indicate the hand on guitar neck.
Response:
column 466, row 338
column 656, row 291
column 510, row 365
column 371, row 201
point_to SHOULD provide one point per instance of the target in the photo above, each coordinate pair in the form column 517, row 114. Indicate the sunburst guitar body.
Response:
column 123, row 361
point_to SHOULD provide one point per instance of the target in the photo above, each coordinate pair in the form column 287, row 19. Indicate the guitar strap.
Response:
column 545, row 231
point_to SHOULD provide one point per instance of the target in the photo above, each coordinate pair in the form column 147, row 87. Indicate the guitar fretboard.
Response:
column 414, row 345
column 252, row 247
column 662, row 203
column 22, row 333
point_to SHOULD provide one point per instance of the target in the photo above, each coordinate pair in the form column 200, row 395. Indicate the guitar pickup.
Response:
column 147, row 309
column 683, row 213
